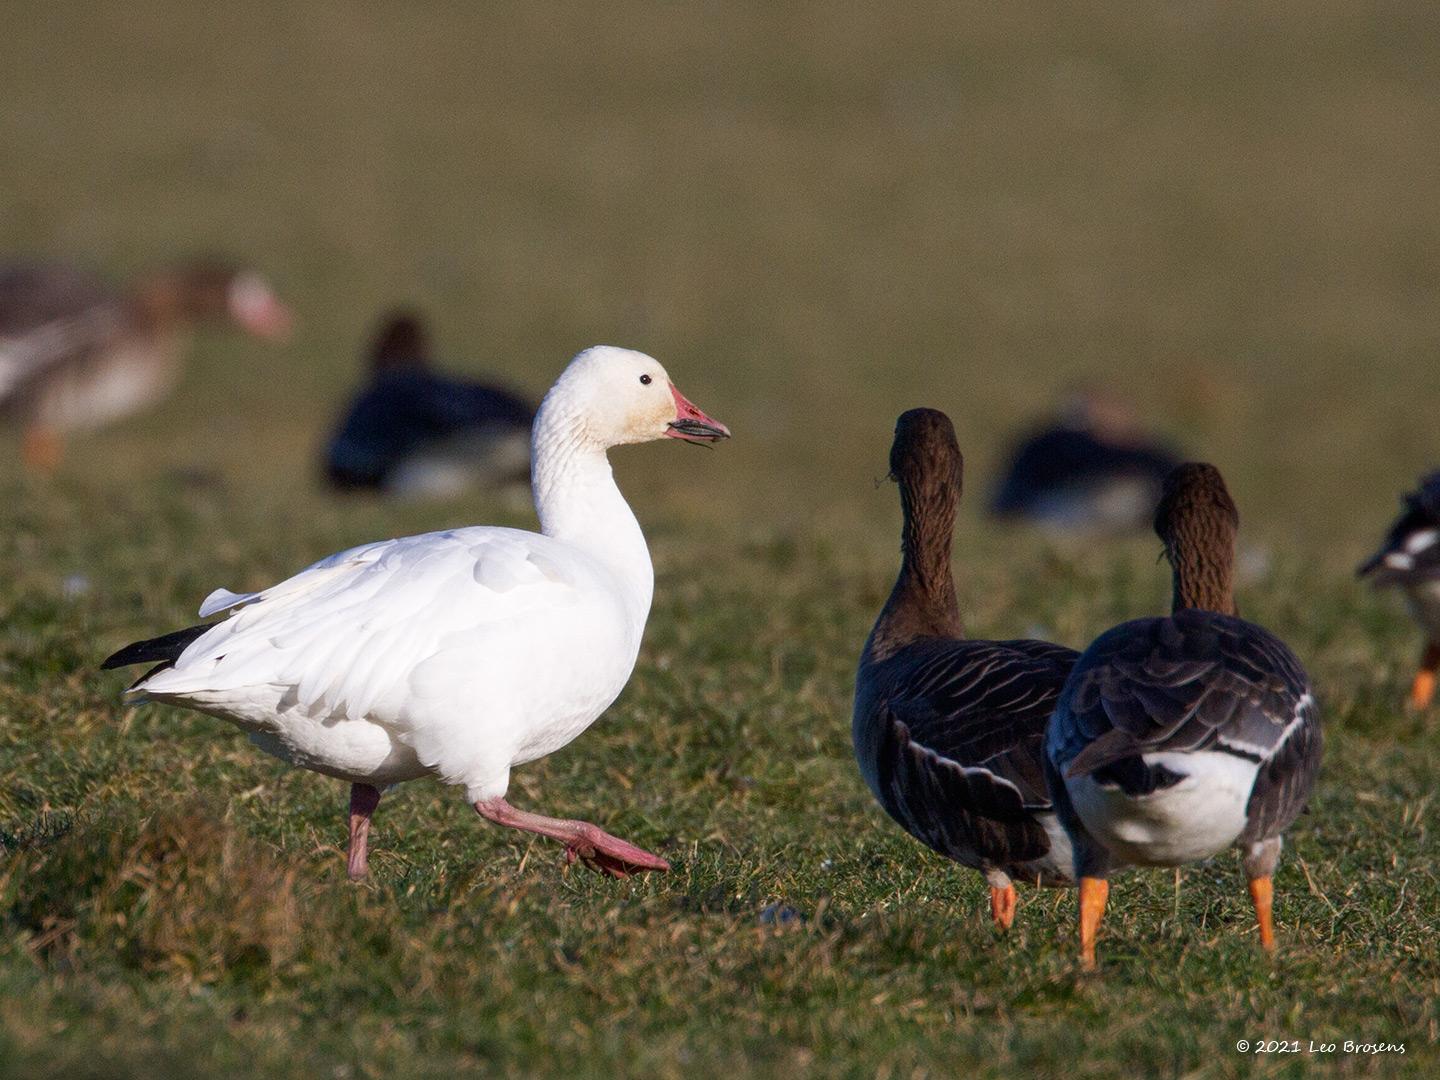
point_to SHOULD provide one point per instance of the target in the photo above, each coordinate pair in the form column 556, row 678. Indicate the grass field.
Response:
column 815, row 216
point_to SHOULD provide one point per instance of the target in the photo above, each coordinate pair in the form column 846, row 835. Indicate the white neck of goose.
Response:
column 579, row 503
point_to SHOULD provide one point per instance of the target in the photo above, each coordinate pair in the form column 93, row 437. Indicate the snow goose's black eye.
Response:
column 644, row 380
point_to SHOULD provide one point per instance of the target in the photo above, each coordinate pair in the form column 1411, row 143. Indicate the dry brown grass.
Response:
column 179, row 895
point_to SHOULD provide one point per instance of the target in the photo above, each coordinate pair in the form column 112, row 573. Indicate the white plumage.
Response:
column 1199, row 816
column 457, row 653
column 463, row 653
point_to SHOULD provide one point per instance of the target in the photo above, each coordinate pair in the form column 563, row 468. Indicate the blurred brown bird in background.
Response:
column 77, row 352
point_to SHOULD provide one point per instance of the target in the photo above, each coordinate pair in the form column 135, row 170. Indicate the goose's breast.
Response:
column 107, row 385
column 578, row 682
column 526, row 692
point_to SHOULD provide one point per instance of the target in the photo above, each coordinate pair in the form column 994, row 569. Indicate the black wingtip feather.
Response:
column 1115, row 745
column 164, row 650
column 1370, row 565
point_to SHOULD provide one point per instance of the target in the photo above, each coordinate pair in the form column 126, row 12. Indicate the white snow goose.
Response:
column 1178, row 737
column 1410, row 560
column 77, row 352
column 949, row 732
column 456, row 654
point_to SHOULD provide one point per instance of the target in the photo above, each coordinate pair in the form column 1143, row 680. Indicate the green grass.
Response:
column 816, row 218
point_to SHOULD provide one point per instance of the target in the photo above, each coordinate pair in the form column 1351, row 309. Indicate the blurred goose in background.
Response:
column 456, row 654
column 1409, row 559
column 412, row 431
column 949, row 732
column 77, row 352
column 1177, row 737
column 1095, row 469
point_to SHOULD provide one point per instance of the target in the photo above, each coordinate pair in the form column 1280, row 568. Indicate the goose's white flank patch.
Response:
column 1194, row 819
column 1417, row 542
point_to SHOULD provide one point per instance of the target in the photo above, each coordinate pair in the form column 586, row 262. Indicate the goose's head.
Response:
column 925, row 453
column 1196, row 509
column 213, row 289
column 625, row 397
column 400, row 344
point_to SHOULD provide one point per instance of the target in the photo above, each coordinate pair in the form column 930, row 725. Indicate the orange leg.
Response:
column 1262, row 894
column 1002, row 906
column 42, row 450
column 1422, row 690
column 1093, row 894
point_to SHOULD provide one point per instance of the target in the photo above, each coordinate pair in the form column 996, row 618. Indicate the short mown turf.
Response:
column 816, row 218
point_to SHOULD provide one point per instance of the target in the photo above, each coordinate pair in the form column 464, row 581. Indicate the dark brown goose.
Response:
column 1176, row 738
column 1094, row 469
column 1409, row 560
column 949, row 732
column 413, row 431
column 77, row 353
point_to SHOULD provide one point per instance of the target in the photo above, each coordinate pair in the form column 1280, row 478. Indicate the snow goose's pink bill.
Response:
column 255, row 307
column 691, row 424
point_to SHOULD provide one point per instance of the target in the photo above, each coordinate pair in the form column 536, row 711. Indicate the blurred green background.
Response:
column 815, row 214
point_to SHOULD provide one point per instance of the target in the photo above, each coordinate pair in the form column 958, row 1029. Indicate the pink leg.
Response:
column 590, row 844
column 363, row 800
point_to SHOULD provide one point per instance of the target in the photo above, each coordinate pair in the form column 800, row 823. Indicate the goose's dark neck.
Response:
column 1202, row 562
column 922, row 604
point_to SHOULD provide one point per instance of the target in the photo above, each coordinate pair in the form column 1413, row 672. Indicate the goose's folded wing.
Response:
column 28, row 356
column 985, row 704
column 47, row 314
column 954, row 809
column 958, row 761
column 345, row 636
column 1196, row 681
column 1286, row 778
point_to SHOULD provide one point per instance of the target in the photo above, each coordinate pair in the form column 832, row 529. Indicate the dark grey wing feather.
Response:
column 165, row 649
column 161, row 651
column 986, row 704
column 969, row 814
column 1062, row 655
column 1195, row 681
